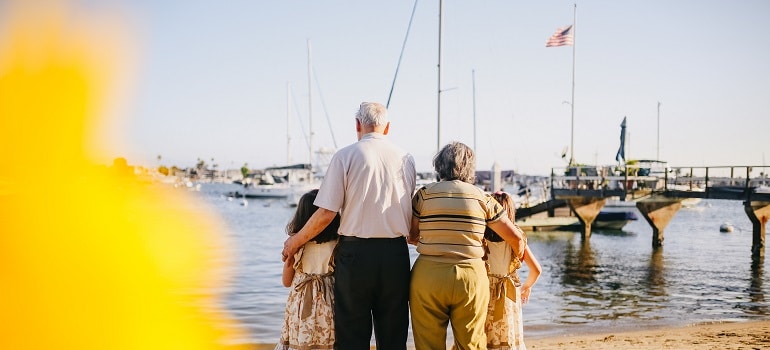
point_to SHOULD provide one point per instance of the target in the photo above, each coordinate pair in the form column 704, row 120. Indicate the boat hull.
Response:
column 603, row 221
column 267, row 191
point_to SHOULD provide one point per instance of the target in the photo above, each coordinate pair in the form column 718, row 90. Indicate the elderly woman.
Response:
column 449, row 280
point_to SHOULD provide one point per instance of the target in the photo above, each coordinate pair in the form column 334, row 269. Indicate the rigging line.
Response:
column 323, row 104
column 400, row 56
column 299, row 116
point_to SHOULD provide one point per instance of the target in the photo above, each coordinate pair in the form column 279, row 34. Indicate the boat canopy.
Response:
column 301, row 166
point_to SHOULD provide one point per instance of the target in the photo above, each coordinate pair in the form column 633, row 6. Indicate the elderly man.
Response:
column 370, row 183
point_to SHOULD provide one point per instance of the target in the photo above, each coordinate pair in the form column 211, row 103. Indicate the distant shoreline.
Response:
column 721, row 335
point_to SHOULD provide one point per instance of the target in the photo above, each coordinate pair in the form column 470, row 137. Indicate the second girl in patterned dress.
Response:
column 309, row 318
column 504, row 326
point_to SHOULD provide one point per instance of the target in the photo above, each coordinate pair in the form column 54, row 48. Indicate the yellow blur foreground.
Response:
column 89, row 258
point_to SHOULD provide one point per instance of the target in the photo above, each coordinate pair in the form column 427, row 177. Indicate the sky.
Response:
column 228, row 80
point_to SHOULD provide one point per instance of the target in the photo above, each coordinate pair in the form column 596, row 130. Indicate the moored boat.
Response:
column 282, row 182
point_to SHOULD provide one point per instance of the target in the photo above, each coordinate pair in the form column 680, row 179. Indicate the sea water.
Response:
column 614, row 280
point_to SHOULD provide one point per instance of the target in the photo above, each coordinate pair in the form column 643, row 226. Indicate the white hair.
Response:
column 372, row 114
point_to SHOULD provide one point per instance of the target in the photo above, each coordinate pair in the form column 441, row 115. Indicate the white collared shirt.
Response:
column 370, row 183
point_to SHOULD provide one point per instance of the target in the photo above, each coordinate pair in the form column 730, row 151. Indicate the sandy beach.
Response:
column 734, row 335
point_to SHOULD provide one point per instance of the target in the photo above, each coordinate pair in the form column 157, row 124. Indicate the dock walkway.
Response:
column 658, row 191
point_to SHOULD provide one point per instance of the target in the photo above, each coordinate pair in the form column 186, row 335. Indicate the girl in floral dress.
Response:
column 309, row 317
column 504, row 326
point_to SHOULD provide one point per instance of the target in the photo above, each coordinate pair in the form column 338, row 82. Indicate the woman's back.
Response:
column 452, row 219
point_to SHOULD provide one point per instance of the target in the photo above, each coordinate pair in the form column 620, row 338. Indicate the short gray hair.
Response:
column 456, row 161
column 372, row 114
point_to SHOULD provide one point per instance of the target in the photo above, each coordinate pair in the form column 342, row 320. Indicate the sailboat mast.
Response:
column 288, row 123
column 310, row 104
column 440, row 25
column 473, row 75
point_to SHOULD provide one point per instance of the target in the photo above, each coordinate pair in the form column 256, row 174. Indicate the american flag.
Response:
column 562, row 37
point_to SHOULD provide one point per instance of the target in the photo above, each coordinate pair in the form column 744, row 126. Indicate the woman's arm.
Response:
column 288, row 271
column 511, row 233
column 534, row 273
column 414, row 231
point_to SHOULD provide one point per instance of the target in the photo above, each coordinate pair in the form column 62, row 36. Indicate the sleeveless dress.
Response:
column 504, row 326
column 309, row 317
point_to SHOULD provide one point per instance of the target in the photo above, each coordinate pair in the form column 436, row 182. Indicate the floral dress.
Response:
column 309, row 317
column 504, row 326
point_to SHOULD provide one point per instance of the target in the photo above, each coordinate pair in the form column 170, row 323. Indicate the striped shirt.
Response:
column 452, row 217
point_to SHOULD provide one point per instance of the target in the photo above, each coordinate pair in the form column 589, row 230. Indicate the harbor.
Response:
column 213, row 130
column 614, row 280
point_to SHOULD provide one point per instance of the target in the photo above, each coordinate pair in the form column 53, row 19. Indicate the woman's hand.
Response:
column 525, row 291
column 288, row 271
column 414, row 232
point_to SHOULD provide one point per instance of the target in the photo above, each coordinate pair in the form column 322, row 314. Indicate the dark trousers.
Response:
column 371, row 287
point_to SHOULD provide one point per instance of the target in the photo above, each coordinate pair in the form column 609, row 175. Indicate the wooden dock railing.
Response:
column 641, row 180
column 659, row 190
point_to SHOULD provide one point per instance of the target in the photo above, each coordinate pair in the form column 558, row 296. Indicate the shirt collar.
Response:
column 372, row 135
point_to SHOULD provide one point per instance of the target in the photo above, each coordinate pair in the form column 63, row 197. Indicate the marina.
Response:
column 613, row 281
column 181, row 249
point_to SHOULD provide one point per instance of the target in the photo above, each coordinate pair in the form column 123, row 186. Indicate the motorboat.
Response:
column 614, row 220
column 615, row 214
column 603, row 221
column 282, row 182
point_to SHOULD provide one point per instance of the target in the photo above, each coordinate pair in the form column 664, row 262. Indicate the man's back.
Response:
column 371, row 183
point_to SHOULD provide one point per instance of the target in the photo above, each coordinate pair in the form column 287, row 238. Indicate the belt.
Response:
column 344, row 238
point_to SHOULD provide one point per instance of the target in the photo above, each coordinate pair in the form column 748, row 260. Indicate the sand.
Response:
column 738, row 335
column 735, row 335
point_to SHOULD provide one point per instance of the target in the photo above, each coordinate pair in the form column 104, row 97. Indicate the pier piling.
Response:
column 586, row 209
column 759, row 214
column 658, row 212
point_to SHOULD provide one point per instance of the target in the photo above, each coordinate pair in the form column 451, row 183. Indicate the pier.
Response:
column 658, row 191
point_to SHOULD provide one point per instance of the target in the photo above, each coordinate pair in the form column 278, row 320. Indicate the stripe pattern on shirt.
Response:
column 452, row 217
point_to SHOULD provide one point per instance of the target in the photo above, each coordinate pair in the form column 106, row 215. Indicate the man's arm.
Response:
column 320, row 219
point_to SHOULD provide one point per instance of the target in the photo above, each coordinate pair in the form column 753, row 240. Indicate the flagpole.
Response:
column 658, row 147
column 440, row 24
column 572, row 127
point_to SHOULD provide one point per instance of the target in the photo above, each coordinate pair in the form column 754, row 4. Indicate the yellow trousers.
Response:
column 442, row 293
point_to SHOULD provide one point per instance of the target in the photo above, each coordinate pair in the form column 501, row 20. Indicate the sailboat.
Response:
column 290, row 182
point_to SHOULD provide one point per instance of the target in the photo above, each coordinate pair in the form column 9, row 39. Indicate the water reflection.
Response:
column 756, row 294
column 602, row 279
column 579, row 264
column 580, row 293
column 655, row 278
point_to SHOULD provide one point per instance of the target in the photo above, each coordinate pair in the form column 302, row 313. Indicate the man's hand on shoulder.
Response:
column 289, row 249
